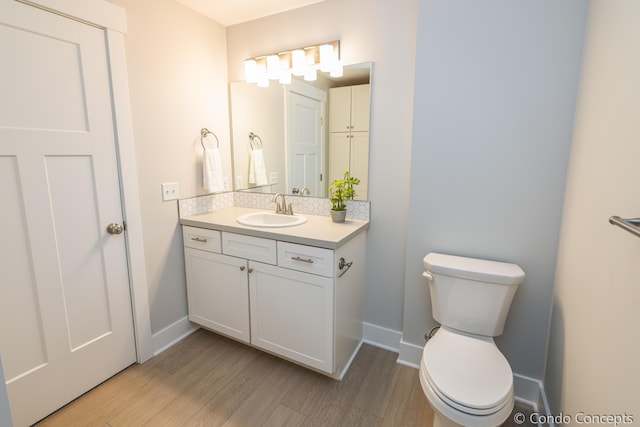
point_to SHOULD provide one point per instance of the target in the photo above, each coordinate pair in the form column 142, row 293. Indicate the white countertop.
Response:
column 317, row 231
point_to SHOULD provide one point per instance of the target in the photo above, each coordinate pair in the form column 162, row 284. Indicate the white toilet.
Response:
column 467, row 380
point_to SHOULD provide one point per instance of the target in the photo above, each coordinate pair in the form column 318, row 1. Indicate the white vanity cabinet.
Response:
column 292, row 315
column 217, row 291
column 289, row 299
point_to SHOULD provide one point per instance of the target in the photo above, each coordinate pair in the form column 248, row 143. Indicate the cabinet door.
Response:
column 360, row 106
column 359, row 163
column 340, row 109
column 339, row 152
column 292, row 314
column 217, row 292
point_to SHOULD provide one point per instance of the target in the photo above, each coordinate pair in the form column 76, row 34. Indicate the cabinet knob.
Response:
column 250, row 270
column 242, row 267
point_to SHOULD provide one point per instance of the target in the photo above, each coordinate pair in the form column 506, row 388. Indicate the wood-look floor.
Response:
column 209, row 380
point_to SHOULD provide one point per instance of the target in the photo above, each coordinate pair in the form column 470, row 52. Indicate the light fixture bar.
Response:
column 304, row 61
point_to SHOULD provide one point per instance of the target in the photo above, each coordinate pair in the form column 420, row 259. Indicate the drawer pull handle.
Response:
column 199, row 239
column 307, row 260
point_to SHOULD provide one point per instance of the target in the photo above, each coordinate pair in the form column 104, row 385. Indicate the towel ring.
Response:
column 204, row 132
column 252, row 138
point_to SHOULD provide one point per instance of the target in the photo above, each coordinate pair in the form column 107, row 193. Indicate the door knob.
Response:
column 114, row 228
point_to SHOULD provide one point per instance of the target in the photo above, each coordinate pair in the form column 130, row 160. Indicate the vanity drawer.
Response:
column 249, row 247
column 306, row 258
column 201, row 238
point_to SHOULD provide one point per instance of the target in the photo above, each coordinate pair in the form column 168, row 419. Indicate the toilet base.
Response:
column 440, row 420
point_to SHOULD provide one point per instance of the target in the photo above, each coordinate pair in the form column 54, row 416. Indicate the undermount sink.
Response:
column 271, row 219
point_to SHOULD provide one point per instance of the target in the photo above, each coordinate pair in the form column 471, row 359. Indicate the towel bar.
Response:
column 632, row 225
column 204, row 132
column 252, row 138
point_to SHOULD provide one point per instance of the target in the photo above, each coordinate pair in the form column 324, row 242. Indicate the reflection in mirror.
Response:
column 298, row 138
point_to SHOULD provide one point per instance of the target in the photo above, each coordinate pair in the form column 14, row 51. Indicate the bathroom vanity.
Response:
column 296, row 292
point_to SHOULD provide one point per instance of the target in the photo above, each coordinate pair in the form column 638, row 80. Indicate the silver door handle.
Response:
column 114, row 228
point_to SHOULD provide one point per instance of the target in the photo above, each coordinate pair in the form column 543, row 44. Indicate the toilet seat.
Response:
column 468, row 373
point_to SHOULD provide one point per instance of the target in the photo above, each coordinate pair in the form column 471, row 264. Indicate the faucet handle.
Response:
column 290, row 210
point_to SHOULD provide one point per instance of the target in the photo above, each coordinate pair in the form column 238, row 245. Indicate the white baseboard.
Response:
column 170, row 335
column 379, row 336
column 410, row 354
column 527, row 390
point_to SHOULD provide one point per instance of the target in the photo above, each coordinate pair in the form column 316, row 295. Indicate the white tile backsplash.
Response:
column 359, row 210
column 204, row 204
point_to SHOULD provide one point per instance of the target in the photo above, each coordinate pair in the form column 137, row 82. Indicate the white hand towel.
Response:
column 212, row 170
column 257, row 169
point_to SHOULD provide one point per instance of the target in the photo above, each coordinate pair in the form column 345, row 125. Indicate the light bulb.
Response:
column 337, row 70
column 327, row 58
column 298, row 62
column 250, row 71
column 273, row 67
column 311, row 74
column 285, row 77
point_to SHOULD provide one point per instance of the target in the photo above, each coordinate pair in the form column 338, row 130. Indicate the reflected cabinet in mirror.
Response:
column 298, row 138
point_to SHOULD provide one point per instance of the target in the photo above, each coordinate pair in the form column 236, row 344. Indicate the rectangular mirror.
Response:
column 298, row 138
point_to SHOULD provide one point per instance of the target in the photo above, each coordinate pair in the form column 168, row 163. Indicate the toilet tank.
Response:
column 471, row 295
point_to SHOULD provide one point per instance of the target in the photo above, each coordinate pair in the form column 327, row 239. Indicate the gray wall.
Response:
column 495, row 92
column 382, row 31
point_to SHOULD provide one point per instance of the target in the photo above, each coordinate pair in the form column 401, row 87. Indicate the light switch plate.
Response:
column 169, row 191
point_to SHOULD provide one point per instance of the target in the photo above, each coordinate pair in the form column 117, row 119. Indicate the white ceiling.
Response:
column 230, row 12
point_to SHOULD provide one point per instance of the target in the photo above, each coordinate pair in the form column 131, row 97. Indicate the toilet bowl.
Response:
column 467, row 380
column 465, row 377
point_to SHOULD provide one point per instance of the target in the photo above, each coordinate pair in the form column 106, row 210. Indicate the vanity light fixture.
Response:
column 305, row 62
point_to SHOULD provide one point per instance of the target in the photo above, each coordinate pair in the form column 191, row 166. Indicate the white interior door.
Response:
column 305, row 142
column 65, row 306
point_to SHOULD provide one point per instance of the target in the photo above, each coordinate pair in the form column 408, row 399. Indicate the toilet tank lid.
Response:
column 474, row 269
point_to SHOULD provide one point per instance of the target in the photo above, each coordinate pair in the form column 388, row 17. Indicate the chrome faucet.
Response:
column 281, row 205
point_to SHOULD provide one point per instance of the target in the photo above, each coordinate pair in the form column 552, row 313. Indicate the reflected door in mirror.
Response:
column 305, row 140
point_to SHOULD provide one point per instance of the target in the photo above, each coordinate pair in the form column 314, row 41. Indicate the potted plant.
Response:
column 340, row 191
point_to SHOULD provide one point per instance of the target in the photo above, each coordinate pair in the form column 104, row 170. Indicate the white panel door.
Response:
column 65, row 306
column 305, row 143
